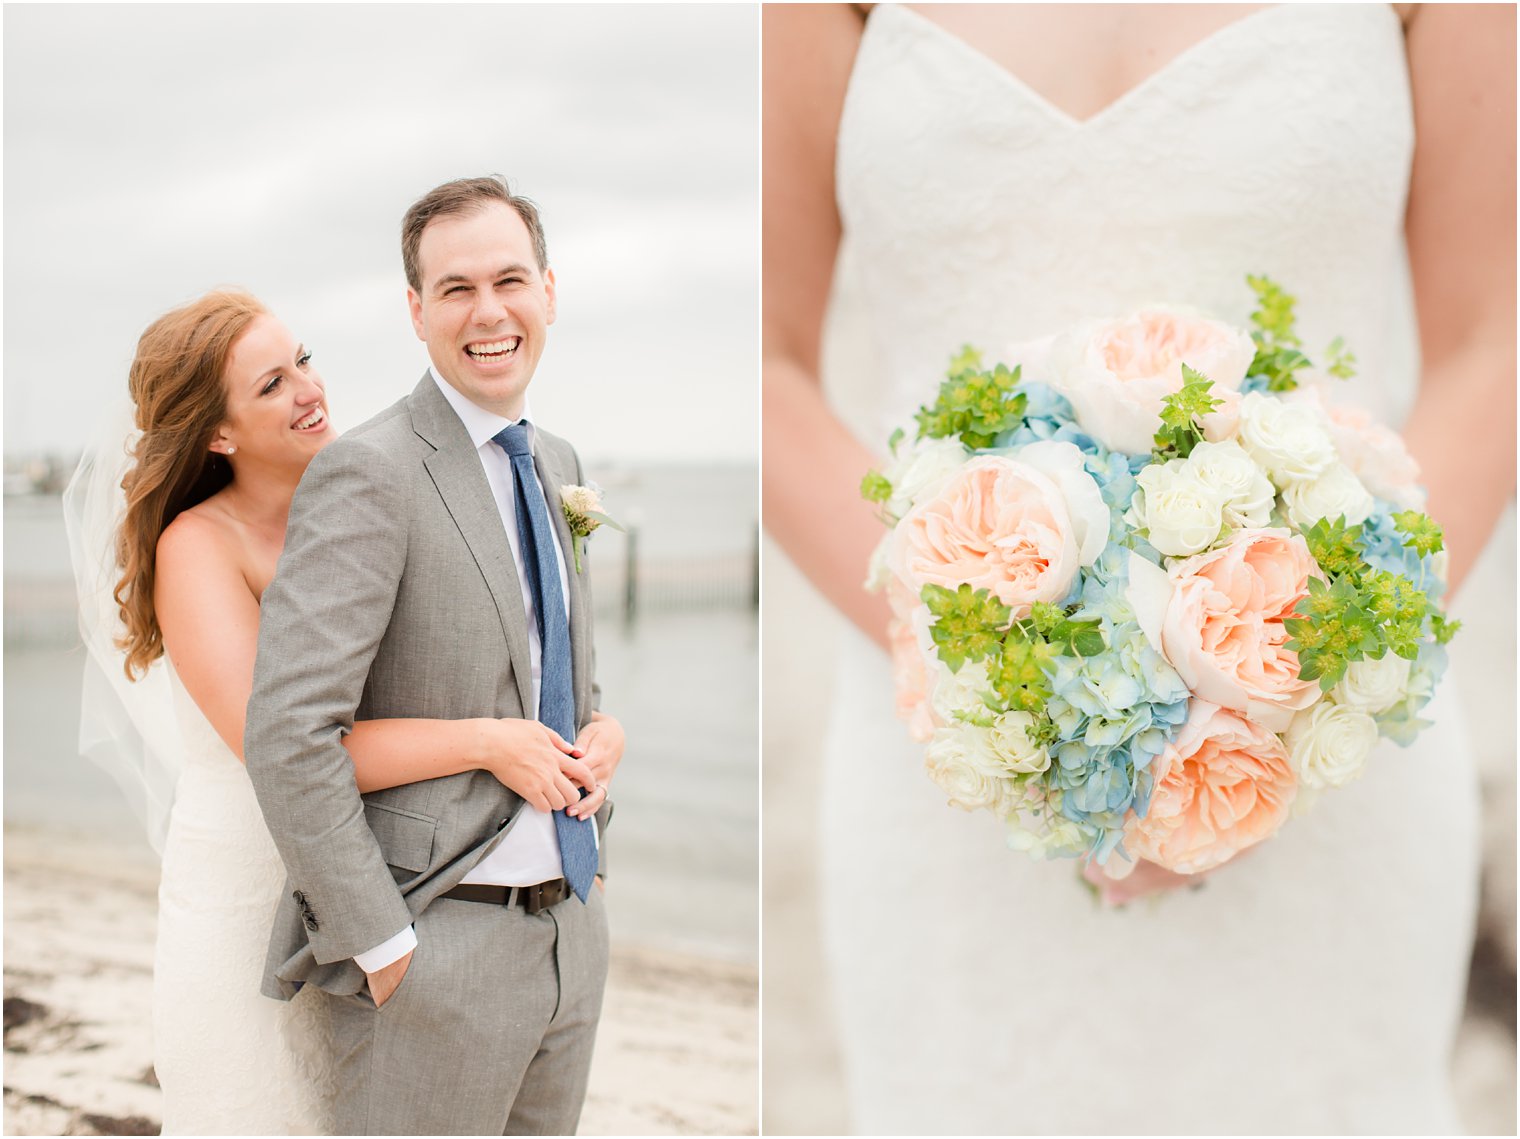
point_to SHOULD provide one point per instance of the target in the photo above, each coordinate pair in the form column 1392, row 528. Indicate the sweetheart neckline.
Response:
column 1125, row 99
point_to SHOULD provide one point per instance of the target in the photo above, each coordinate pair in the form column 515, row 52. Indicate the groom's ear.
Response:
column 414, row 305
column 549, row 294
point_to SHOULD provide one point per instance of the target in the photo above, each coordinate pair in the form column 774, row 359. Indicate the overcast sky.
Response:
column 153, row 152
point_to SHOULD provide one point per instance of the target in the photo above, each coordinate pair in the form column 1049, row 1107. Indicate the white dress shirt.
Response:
column 530, row 853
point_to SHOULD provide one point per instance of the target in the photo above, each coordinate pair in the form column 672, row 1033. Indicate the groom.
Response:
column 455, row 930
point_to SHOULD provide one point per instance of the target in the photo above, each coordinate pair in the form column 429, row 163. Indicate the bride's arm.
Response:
column 210, row 623
column 1461, row 230
column 812, row 464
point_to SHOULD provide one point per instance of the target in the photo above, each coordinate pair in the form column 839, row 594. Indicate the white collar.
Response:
column 481, row 424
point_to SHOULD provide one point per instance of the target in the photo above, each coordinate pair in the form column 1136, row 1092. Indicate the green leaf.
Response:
column 968, row 624
column 1180, row 414
column 1020, row 673
column 1088, row 642
column 1278, row 348
column 1043, row 731
column 1045, row 616
column 605, row 521
column 1273, row 317
column 1443, row 629
column 973, row 405
column 1419, row 530
column 968, row 359
column 894, row 439
column 1342, row 362
column 1336, row 547
column 875, row 487
column 1277, row 343
column 1331, row 629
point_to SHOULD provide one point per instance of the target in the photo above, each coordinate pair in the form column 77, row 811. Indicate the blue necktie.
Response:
column 556, row 698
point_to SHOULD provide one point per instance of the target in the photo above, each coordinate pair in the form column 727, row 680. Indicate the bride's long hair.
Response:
column 178, row 387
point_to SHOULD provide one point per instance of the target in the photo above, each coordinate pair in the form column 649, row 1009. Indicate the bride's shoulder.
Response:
column 809, row 54
column 1406, row 13
column 204, row 533
column 813, row 26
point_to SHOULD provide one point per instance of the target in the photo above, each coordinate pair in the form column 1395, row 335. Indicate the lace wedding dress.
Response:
column 1315, row 985
column 230, row 1061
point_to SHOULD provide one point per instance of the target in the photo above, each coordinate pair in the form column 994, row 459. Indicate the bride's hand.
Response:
column 1147, row 878
column 536, row 762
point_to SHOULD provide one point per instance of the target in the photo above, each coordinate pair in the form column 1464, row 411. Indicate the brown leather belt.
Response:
column 539, row 896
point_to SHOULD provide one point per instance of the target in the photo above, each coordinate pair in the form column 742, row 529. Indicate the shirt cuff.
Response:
column 387, row 952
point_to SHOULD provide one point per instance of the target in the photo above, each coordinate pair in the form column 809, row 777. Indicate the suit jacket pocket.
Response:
column 405, row 837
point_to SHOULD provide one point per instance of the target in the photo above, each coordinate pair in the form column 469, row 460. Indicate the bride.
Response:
column 229, row 410
column 990, row 174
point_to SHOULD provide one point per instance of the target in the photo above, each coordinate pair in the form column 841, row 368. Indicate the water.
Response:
column 684, row 843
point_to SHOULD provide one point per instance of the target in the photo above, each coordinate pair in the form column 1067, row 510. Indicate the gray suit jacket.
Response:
column 396, row 596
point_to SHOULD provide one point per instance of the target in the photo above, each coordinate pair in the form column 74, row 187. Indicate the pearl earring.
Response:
column 231, row 449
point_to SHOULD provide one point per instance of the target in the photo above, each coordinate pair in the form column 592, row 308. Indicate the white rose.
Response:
column 1009, row 743
column 1182, row 514
column 581, row 499
column 879, row 570
column 925, row 465
column 1373, row 686
column 1375, row 453
column 1336, row 493
column 1288, row 439
column 1045, row 836
column 956, row 761
column 1226, row 468
column 958, row 695
column 1329, row 744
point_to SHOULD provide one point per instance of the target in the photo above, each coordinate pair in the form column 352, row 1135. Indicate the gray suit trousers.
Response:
column 490, row 1031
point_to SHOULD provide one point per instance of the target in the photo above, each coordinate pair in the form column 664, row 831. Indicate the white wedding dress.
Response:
column 1315, row 986
column 230, row 1061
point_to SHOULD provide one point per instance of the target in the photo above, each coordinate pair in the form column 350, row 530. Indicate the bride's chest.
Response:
column 1081, row 58
column 1290, row 123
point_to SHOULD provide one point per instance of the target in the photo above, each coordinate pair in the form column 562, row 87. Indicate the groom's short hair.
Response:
column 464, row 196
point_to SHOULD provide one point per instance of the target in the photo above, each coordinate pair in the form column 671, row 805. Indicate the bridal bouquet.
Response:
column 1153, row 591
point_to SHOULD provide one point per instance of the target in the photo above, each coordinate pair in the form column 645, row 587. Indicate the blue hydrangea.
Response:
column 1384, row 548
column 1114, row 713
column 1402, row 723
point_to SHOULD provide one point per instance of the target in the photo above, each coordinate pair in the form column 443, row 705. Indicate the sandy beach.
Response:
column 677, row 1053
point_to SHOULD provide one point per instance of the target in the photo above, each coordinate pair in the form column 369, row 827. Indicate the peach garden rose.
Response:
column 1223, row 627
column 1018, row 527
column 1225, row 783
column 1116, row 373
column 1373, row 451
column 910, row 672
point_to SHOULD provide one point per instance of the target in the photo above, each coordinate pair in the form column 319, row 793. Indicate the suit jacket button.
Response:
column 298, row 896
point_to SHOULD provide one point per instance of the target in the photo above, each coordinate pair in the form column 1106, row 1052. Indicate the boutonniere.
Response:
column 583, row 511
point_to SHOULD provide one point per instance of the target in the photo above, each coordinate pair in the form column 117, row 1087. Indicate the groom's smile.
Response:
column 494, row 351
column 484, row 305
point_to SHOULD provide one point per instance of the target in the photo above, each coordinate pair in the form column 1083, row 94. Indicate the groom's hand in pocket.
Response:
column 385, row 981
column 536, row 762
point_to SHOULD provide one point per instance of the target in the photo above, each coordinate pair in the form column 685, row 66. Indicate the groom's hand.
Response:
column 536, row 762
column 384, row 982
column 600, row 743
